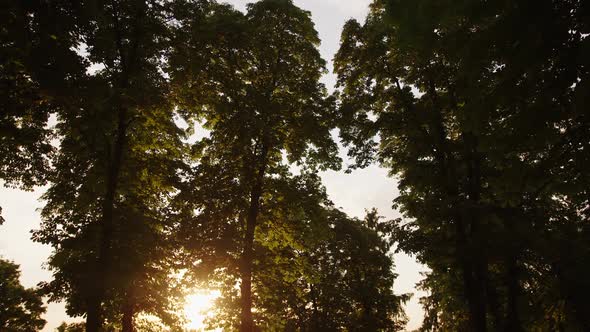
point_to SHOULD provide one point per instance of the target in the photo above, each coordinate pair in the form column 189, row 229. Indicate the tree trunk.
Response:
column 476, row 248
column 479, row 295
column 494, row 306
column 471, row 285
column 512, row 317
column 128, row 314
column 247, row 321
column 93, row 316
column 473, row 269
column 94, row 319
column 315, row 320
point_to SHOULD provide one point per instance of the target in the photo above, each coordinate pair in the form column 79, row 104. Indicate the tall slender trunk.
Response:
column 94, row 315
column 476, row 249
column 127, row 320
column 315, row 320
column 94, row 319
column 128, row 309
column 247, row 321
column 512, row 317
column 472, row 275
column 479, row 295
column 472, row 285
column 472, row 264
column 494, row 306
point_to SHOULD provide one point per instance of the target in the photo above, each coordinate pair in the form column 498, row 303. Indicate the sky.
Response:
column 353, row 193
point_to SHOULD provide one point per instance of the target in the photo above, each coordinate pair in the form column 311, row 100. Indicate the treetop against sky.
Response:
column 377, row 165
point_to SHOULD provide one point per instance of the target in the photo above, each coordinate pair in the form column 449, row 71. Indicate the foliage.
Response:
column 315, row 268
column 37, row 68
column 253, row 81
column 479, row 109
column 483, row 124
column 72, row 327
column 120, row 150
column 20, row 308
column 340, row 281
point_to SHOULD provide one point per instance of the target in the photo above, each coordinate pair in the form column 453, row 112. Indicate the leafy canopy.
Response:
column 20, row 308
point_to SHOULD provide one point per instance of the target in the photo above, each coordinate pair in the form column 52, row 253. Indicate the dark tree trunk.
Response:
column 512, row 317
column 127, row 322
column 94, row 318
column 94, row 315
column 479, row 295
column 470, row 258
column 247, row 321
column 315, row 320
column 476, row 248
column 472, row 285
column 494, row 306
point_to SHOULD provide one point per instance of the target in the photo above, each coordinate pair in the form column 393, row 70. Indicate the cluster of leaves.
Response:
column 340, row 279
column 36, row 71
column 20, row 308
column 315, row 269
column 480, row 110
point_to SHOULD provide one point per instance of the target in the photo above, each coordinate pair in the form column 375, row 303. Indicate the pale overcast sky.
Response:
column 363, row 189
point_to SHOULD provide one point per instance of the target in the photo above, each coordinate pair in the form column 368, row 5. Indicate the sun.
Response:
column 198, row 307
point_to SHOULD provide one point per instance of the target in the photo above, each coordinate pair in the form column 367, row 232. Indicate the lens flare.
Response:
column 199, row 306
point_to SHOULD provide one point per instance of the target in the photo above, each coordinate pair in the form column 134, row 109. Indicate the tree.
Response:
column 20, row 308
column 120, row 150
column 293, row 218
column 316, row 268
column 339, row 281
column 482, row 124
column 254, row 81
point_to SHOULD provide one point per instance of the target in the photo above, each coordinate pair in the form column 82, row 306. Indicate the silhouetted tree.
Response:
column 339, row 278
column 20, row 308
column 253, row 80
column 37, row 68
column 119, row 153
column 483, row 125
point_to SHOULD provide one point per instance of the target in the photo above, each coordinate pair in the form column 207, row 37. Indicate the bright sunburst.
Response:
column 198, row 307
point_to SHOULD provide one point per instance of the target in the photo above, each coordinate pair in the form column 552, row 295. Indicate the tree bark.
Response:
column 94, row 319
column 127, row 322
column 478, row 253
column 512, row 316
column 473, row 272
column 471, row 284
column 494, row 306
column 471, row 260
column 247, row 321
column 315, row 320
